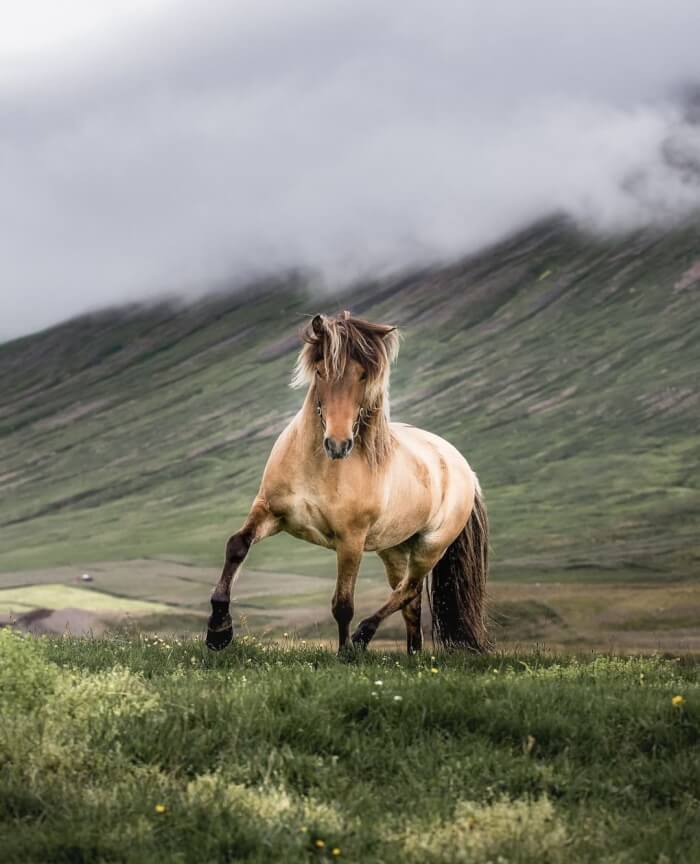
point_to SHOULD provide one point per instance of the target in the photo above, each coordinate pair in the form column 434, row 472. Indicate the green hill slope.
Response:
column 565, row 368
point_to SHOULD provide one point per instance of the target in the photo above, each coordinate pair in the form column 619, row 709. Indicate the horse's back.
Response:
column 431, row 449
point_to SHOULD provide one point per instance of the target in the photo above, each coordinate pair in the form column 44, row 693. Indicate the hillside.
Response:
column 564, row 367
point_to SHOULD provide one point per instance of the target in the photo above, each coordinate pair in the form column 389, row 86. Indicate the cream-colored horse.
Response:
column 342, row 476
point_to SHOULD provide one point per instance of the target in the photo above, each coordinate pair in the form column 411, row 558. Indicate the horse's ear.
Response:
column 391, row 338
column 317, row 324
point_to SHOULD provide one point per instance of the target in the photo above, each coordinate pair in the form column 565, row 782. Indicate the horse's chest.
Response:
column 309, row 520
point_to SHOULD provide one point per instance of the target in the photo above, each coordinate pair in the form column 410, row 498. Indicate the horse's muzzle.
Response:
column 337, row 449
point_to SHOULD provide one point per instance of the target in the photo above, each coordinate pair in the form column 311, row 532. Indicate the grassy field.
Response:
column 148, row 750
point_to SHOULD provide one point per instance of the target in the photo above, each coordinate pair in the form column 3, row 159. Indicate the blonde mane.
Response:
column 334, row 341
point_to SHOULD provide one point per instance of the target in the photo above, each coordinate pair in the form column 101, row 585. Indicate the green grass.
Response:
column 258, row 753
column 67, row 596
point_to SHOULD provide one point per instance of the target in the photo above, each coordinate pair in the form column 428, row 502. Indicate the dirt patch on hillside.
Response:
column 74, row 622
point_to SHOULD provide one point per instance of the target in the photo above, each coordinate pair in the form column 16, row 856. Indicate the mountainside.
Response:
column 564, row 367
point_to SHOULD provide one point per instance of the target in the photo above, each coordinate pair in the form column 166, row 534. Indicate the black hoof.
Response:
column 217, row 640
column 220, row 631
column 362, row 636
column 347, row 651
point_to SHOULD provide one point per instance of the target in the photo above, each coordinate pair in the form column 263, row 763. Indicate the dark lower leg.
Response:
column 343, row 610
column 399, row 598
column 220, row 629
column 414, row 633
column 349, row 556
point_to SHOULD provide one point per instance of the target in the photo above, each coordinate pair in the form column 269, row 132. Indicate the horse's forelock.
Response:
column 335, row 341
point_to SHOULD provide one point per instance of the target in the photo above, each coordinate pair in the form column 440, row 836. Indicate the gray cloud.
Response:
column 221, row 140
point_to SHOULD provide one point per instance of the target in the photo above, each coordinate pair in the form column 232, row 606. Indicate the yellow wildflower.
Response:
column 335, row 852
column 160, row 808
column 319, row 844
column 678, row 701
column 434, row 670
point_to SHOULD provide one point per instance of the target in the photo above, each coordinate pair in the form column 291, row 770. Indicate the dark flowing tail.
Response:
column 458, row 586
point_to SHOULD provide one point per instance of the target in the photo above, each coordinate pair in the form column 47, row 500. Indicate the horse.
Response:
column 343, row 476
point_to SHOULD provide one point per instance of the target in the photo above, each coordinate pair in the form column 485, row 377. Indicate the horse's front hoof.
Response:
column 347, row 652
column 217, row 640
column 220, row 628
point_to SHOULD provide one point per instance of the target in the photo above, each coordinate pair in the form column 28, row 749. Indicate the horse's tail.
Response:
column 458, row 586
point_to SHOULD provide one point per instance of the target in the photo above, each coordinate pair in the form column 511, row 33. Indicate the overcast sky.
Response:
column 150, row 146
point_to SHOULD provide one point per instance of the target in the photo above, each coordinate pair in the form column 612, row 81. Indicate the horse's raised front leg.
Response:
column 408, row 591
column 396, row 564
column 259, row 524
column 349, row 557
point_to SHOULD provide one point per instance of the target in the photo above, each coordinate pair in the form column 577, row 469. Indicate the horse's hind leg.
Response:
column 412, row 616
column 259, row 524
column 396, row 564
column 406, row 592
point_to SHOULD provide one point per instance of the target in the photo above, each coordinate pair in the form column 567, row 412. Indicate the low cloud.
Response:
column 213, row 142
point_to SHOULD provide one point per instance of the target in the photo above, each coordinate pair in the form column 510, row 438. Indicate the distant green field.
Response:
column 143, row 750
column 67, row 596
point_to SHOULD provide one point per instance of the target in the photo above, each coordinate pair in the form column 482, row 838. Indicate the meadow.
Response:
column 142, row 749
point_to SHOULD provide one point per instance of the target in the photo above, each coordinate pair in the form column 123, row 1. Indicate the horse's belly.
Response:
column 390, row 532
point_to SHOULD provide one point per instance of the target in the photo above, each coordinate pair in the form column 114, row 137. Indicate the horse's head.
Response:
column 345, row 361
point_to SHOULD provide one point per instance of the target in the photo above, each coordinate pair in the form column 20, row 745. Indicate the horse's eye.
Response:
column 363, row 377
